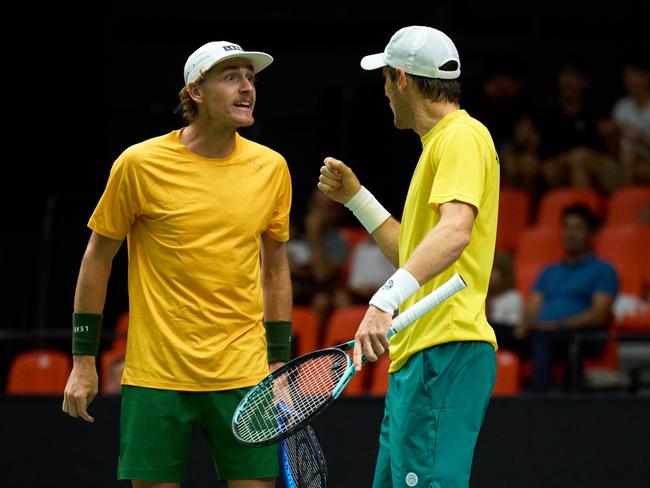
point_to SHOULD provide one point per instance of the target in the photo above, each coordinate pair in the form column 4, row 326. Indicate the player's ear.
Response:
column 194, row 91
column 402, row 78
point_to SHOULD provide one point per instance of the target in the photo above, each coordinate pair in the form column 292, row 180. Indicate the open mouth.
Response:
column 244, row 105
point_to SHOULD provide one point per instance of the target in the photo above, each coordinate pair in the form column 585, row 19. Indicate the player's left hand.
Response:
column 371, row 338
column 276, row 365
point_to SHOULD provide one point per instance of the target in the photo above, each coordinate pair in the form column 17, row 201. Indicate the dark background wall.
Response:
column 570, row 442
column 83, row 84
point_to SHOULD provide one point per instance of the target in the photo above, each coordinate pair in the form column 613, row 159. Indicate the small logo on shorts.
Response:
column 411, row 479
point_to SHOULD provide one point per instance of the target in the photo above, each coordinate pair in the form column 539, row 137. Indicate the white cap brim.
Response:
column 373, row 61
column 258, row 60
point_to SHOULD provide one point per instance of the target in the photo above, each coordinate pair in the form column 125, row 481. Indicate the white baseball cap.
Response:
column 420, row 51
column 212, row 53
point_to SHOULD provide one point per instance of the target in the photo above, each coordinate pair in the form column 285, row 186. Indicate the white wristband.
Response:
column 398, row 288
column 367, row 210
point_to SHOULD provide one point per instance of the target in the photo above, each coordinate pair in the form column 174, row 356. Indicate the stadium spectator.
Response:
column 317, row 256
column 632, row 116
column 504, row 304
column 502, row 100
column 569, row 297
column 521, row 162
column 369, row 269
column 573, row 144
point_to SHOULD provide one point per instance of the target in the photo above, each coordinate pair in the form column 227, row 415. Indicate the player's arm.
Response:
column 444, row 243
column 594, row 316
column 340, row 183
column 276, row 285
column 436, row 252
column 90, row 296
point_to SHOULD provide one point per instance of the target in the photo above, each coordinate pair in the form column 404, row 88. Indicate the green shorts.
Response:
column 156, row 430
column 434, row 410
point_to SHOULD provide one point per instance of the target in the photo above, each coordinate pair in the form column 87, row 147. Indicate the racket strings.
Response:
column 305, row 460
column 285, row 401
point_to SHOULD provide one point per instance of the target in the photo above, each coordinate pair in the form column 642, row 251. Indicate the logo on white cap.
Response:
column 212, row 53
column 420, row 51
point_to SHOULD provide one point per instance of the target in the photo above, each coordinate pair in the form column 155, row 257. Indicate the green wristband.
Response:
column 278, row 340
column 86, row 329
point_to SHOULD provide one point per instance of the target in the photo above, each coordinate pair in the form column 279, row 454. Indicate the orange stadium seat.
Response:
column 38, row 372
column 553, row 202
column 639, row 323
column 106, row 361
column 120, row 331
column 508, row 380
column 305, row 330
column 537, row 247
column 609, row 358
column 341, row 327
column 626, row 247
column 625, row 204
column 514, row 217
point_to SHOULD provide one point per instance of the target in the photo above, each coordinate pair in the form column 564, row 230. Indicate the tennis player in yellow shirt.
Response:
column 442, row 367
column 208, row 318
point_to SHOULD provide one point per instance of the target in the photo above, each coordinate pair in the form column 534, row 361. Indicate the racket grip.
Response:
column 436, row 297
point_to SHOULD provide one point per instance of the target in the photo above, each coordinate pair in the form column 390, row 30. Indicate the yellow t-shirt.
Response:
column 194, row 229
column 458, row 162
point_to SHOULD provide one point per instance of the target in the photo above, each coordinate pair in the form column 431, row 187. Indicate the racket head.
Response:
column 290, row 397
column 303, row 461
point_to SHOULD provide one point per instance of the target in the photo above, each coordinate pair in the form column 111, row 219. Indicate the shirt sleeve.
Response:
column 461, row 169
column 119, row 205
column 278, row 227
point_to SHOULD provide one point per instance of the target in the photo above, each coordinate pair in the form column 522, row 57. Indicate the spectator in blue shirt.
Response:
column 571, row 296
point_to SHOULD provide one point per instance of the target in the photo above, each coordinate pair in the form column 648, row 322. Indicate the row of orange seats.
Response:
column 622, row 240
column 45, row 372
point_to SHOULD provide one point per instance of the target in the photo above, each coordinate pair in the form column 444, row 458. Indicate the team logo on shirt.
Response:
column 411, row 479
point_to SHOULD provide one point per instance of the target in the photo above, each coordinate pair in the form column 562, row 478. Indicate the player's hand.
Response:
column 337, row 180
column 81, row 388
column 371, row 338
column 275, row 365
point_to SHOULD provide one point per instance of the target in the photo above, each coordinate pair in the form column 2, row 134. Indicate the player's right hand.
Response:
column 81, row 388
column 337, row 180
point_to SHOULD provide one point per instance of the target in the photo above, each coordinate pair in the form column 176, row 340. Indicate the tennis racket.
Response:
column 302, row 460
column 290, row 397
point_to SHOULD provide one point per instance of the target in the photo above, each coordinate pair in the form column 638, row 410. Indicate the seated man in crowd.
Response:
column 571, row 296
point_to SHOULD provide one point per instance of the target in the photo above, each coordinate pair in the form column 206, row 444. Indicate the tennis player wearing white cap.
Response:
column 443, row 367
column 208, row 317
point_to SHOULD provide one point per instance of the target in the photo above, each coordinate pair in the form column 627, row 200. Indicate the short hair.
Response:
column 188, row 107
column 584, row 212
column 436, row 89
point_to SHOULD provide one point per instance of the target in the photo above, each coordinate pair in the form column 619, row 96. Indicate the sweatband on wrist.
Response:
column 397, row 288
column 278, row 340
column 367, row 210
column 86, row 330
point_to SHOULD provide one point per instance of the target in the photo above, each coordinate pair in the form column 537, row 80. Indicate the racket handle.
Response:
column 436, row 297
